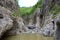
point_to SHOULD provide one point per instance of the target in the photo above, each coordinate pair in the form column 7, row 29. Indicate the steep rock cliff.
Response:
column 7, row 7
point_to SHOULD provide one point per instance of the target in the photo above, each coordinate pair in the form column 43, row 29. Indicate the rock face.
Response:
column 5, row 20
column 18, row 26
column 57, row 35
column 49, row 26
column 9, row 4
column 35, row 23
column 7, row 7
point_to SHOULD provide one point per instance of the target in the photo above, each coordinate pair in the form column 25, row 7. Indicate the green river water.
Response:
column 28, row 37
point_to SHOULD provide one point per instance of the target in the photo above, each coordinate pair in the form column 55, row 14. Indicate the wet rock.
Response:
column 46, row 32
column 31, row 27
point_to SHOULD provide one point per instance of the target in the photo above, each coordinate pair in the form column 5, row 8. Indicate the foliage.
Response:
column 55, row 10
column 26, row 11
column 38, row 5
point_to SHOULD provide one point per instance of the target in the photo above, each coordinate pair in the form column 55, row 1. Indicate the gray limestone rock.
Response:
column 5, row 21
